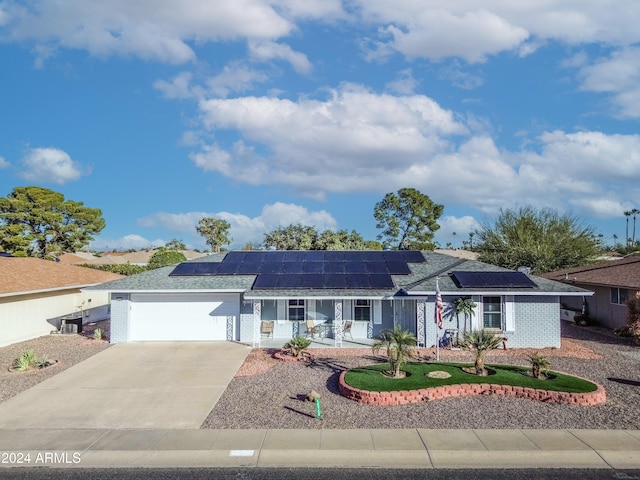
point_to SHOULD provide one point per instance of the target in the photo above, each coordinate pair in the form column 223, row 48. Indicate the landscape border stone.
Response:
column 403, row 397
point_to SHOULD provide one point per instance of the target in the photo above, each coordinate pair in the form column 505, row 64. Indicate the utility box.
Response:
column 70, row 321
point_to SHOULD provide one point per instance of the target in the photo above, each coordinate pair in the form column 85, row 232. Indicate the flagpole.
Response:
column 438, row 317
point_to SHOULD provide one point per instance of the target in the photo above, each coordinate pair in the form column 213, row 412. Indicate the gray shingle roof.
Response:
column 422, row 281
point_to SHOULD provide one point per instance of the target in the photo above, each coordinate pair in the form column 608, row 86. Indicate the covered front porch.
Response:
column 321, row 343
column 346, row 322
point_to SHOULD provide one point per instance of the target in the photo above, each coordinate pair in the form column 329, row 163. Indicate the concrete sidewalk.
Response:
column 407, row 448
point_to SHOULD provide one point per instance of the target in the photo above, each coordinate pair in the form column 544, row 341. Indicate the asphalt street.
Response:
column 318, row 474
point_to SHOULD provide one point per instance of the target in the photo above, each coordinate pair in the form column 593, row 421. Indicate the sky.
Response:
column 266, row 113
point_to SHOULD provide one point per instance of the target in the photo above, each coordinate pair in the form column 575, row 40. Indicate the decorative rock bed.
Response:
column 285, row 357
column 404, row 397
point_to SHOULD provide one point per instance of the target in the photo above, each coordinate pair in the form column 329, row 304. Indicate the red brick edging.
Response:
column 404, row 397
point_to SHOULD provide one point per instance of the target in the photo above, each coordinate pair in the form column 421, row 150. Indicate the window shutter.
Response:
column 509, row 314
column 377, row 312
column 477, row 320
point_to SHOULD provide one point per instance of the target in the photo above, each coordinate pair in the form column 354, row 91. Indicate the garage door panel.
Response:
column 181, row 317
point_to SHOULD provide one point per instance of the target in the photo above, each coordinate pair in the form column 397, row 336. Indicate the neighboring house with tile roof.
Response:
column 140, row 258
column 35, row 294
column 233, row 296
column 613, row 283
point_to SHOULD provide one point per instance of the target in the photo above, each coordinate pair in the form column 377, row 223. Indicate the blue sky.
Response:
column 271, row 112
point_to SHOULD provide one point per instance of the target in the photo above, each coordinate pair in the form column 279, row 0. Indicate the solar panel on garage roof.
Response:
column 492, row 280
column 187, row 269
column 309, row 269
column 235, row 256
column 354, row 267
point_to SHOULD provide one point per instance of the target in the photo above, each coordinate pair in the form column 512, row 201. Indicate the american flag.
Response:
column 439, row 306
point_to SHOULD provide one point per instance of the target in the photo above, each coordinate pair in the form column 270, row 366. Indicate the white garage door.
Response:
column 185, row 316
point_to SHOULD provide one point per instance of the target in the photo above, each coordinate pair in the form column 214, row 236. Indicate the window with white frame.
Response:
column 296, row 310
column 492, row 312
column 619, row 296
column 362, row 310
column 269, row 310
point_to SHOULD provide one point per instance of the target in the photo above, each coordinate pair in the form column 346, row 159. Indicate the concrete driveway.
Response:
column 131, row 385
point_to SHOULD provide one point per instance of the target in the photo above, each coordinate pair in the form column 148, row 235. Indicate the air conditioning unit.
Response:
column 69, row 328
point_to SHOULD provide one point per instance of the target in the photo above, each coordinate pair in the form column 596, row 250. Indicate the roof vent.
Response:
column 525, row 270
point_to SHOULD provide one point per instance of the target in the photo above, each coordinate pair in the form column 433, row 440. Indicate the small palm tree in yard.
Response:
column 399, row 345
column 480, row 342
column 539, row 365
column 465, row 306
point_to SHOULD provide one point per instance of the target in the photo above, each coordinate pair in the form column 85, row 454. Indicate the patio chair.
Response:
column 312, row 330
column 346, row 330
column 266, row 328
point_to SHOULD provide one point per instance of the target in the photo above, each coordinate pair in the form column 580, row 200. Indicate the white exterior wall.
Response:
column 28, row 316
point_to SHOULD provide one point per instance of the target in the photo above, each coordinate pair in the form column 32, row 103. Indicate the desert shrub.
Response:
column 297, row 345
column 29, row 360
column 98, row 333
column 164, row 257
column 633, row 316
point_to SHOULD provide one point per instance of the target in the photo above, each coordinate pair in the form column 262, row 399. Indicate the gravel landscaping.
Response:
column 268, row 393
column 66, row 349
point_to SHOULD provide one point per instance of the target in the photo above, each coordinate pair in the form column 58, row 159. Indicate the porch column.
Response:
column 421, row 337
column 257, row 319
column 338, row 324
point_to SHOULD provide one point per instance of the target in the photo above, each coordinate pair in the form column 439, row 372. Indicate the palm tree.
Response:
column 615, row 240
column 465, row 306
column 471, row 234
column 634, row 212
column 480, row 342
column 454, row 240
column 399, row 345
column 627, row 214
column 539, row 365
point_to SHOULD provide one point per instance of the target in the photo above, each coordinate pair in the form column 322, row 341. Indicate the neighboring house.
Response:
column 230, row 296
column 35, row 294
column 140, row 258
column 459, row 252
column 613, row 283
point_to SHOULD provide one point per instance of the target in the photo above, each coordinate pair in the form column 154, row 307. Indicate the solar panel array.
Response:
column 310, row 269
column 492, row 280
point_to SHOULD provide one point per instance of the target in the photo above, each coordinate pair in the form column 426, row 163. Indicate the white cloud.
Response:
column 166, row 30
column 345, row 143
column 179, row 87
column 50, row 165
column 243, row 229
column 461, row 28
column 236, row 77
column 150, row 29
column 265, row 50
column 618, row 75
column 4, row 163
column 473, row 35
column 127, row 242
column 404, row 84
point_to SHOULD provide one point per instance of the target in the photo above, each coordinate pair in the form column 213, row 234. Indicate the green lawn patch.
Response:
column 370, row 378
